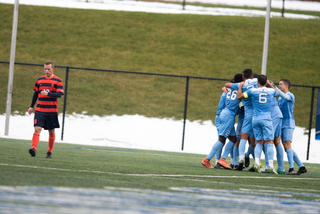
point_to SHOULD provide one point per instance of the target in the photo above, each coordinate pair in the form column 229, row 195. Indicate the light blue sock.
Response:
column 214, row 149
column 270, row 152
column 280, row 157
column 235, row 155
column 250, row 151
column 258, row 150
column 242, row 147
column 231, row 152
column 218, row 153
column 265, row 151
column 228, row 149
column 290, row 157
column 296, row 159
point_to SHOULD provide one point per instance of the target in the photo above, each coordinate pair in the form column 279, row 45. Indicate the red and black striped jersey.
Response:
column 48, row 104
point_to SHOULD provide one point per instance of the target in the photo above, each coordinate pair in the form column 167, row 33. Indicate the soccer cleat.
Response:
column 218, row 166
column 251, row 169
column 281, row 172
column 231, row 165
column 247, row 162
column 205, row 162
column 271, row 170
column 291, row 172
column 256, row 168
column 32, row 152
column 301, row 170
column 240, row 168
column 223, row 163
column 49, row 155
column 236, row 167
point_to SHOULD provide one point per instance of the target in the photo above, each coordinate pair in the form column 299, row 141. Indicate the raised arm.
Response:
column 283, row 95
column 240, row 94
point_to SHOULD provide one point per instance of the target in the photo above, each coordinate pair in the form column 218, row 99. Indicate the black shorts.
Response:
column 46, row 121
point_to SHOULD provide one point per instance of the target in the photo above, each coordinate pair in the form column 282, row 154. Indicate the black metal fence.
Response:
column 111, row 92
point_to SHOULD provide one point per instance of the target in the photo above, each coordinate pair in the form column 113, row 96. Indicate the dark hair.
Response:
column 237, row 78
column 287, row 82
column 262, row 79
column 255, row 75
column 232, row 81
column 247, row 73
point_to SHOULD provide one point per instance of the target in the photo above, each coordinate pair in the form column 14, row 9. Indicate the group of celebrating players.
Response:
column 263, row 120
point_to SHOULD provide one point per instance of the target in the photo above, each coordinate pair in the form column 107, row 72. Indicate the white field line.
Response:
column 159, row 175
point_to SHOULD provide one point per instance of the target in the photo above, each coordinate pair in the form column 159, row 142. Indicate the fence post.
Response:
column 183, row 4
column 65, row 101
column 310, row 121
column 185, row 111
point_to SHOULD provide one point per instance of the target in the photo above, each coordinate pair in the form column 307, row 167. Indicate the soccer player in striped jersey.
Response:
column 286, row 104
column 47, row 90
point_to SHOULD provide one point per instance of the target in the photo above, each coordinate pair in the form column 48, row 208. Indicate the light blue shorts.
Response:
column 262, row 129
column 287, row 134
column 277, row 124
column 239, row 127
column 247, row 122
column 226, row 127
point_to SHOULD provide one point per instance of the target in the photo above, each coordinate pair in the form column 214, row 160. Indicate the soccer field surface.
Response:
column 82, row 179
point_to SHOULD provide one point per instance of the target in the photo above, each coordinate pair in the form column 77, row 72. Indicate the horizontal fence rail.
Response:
column 108, row 92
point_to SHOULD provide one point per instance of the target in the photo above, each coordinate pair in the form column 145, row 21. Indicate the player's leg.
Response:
column 268, row 134
column 227, row 150
column 218, row 153
column 265, row 151
column 51, row 141
column 52, row 122
column 286, row 136
column 252, row 144
column 257, row 130
column 279, row 150
column 242, row 148
column 39, row 121
column 235, row 152
column 216, row 147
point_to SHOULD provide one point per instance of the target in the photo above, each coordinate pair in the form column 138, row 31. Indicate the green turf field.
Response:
column 78, row 166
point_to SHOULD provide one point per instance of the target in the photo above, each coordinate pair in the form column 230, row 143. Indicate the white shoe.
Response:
column 271, row 170
column 256, row 168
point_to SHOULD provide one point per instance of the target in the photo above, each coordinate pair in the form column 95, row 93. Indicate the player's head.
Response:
column 49, row 63
column 284, row 85
column 255, row 75
column 232, row 81
column 48, row 68
column 286, row 82
column 247, row 73
column 237, row 78
column 262, row 80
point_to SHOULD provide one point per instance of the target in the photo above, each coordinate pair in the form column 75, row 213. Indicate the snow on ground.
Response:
column 135, row 131
column 140, row 132
column 169, row 8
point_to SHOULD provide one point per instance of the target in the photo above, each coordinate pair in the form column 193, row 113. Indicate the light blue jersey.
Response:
column 221, row 106
column 228, row 114
column 248, row 108
column 286, row 107
column 249, row 83
column 262, row 99
column 276, row 116
column 232, row 103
